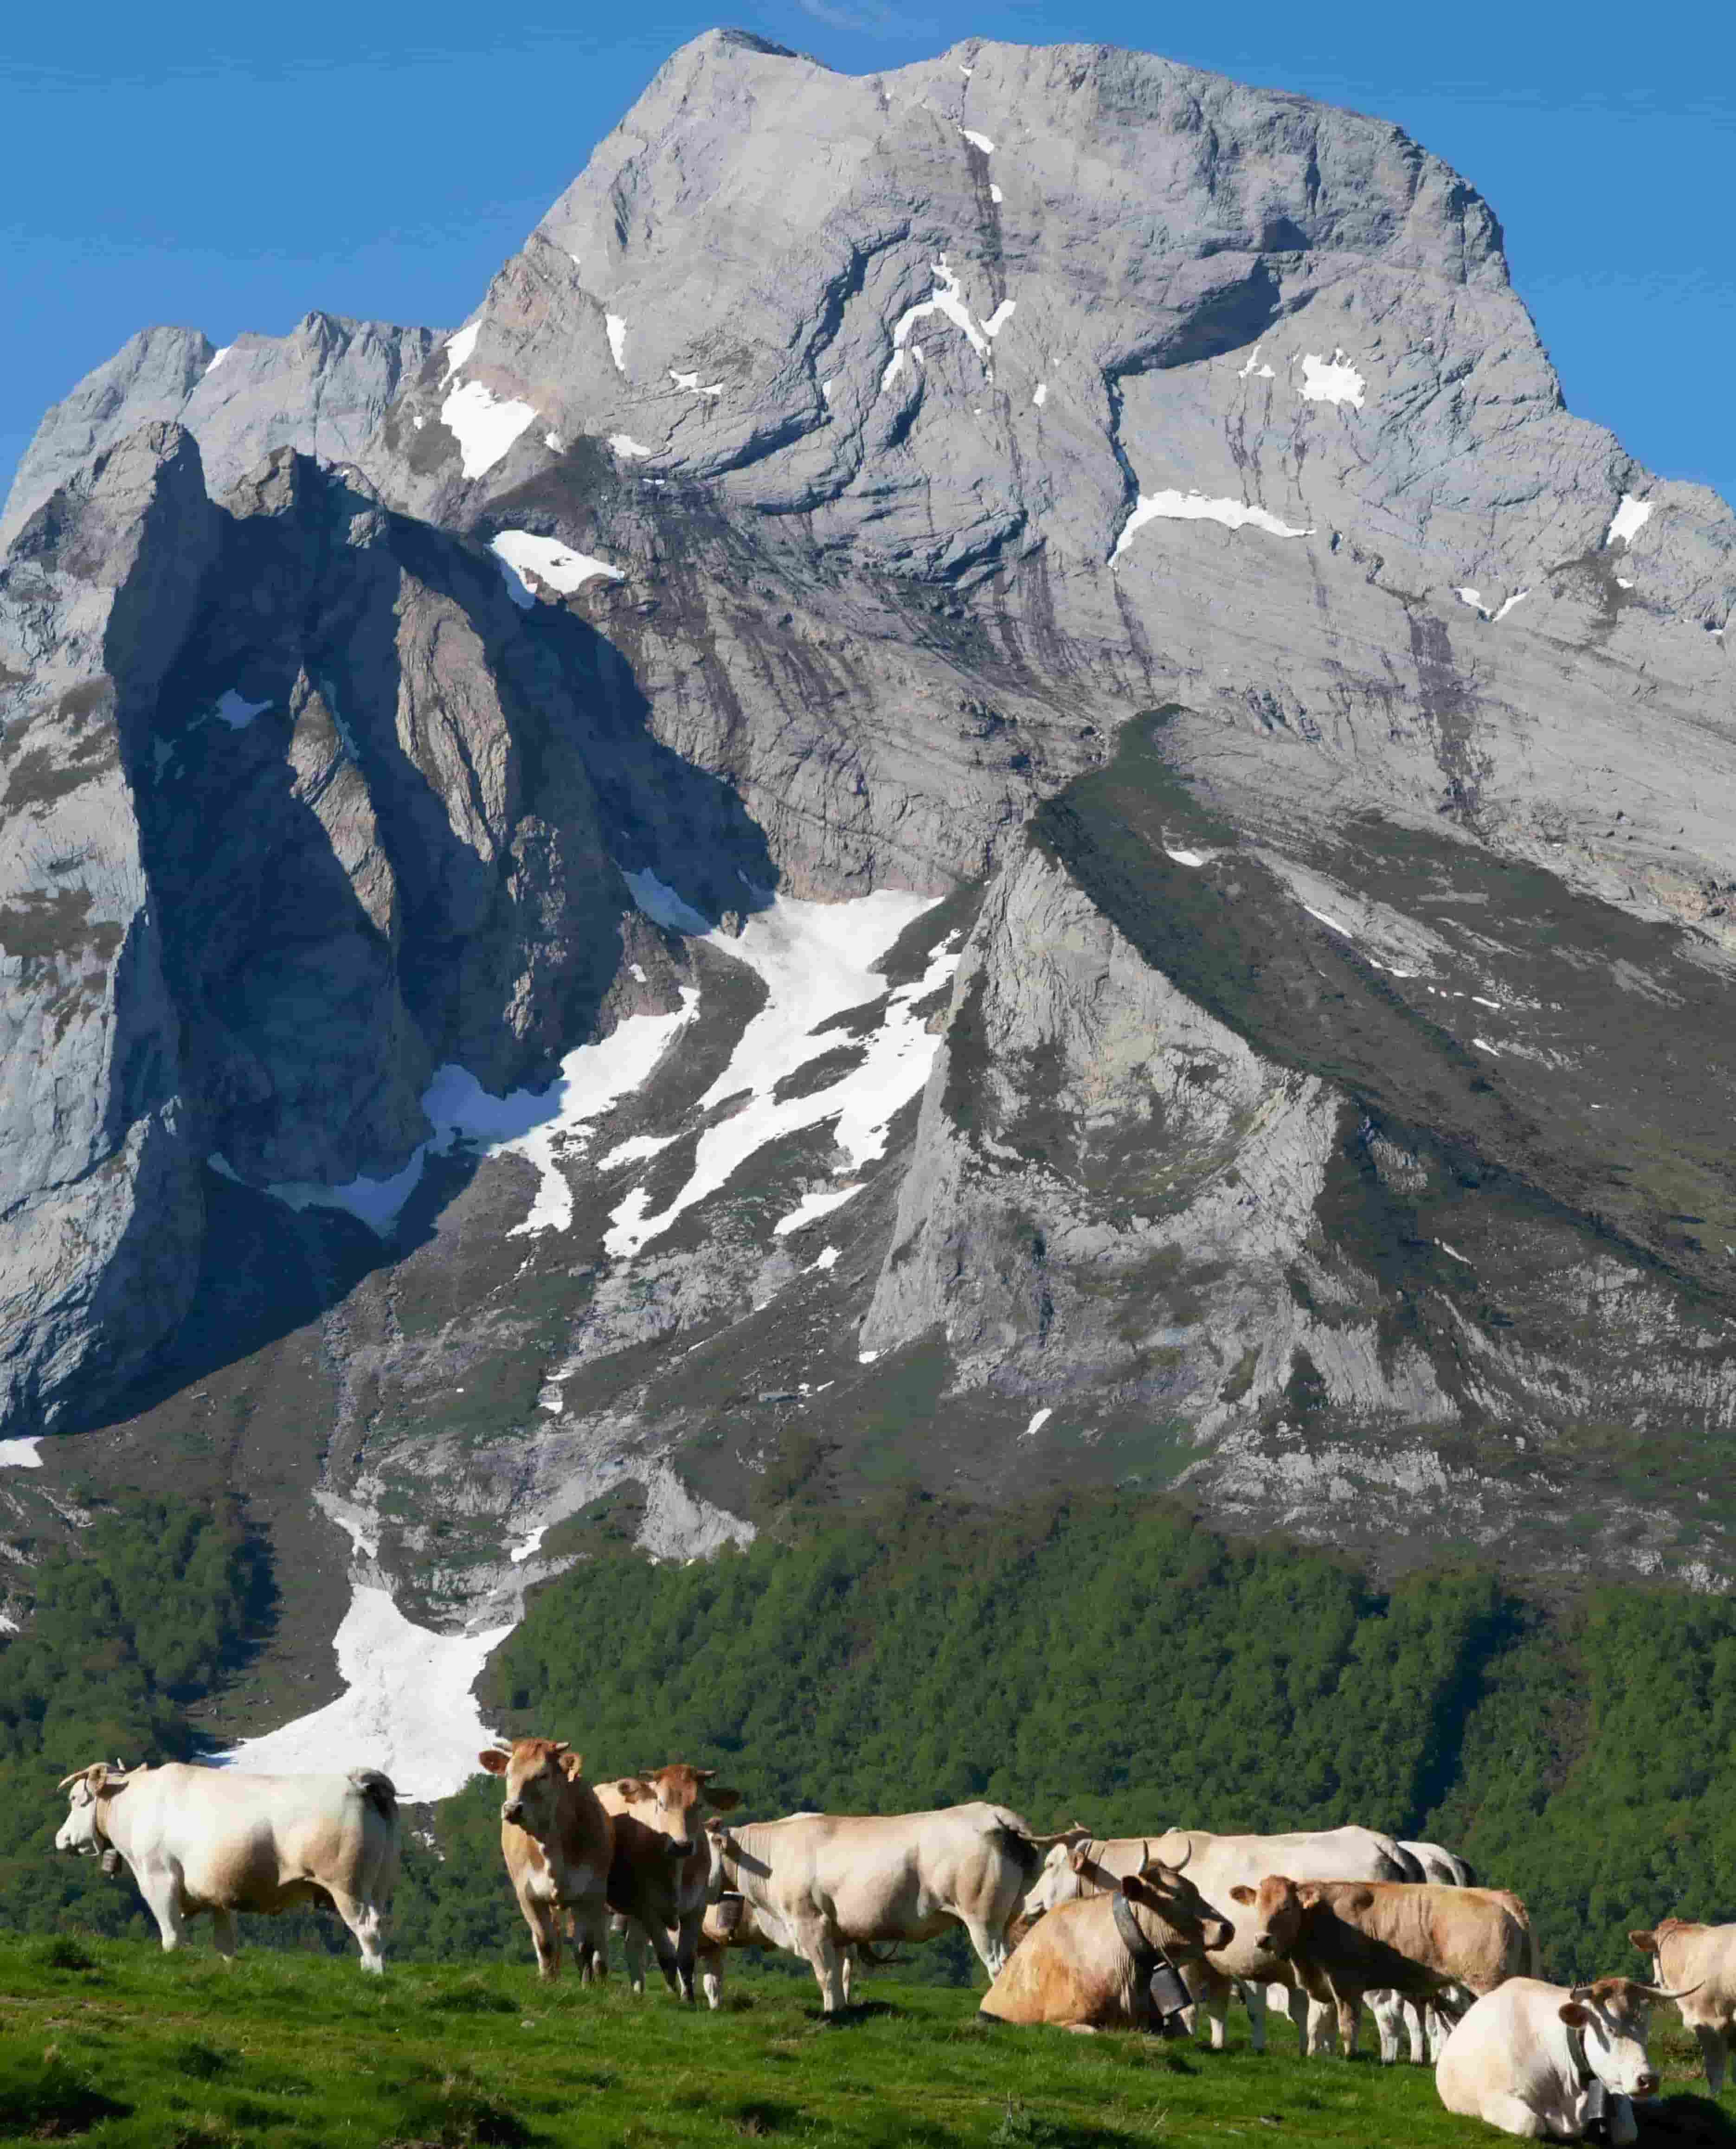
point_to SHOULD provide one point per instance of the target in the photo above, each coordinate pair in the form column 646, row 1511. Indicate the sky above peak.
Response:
column 231, row 169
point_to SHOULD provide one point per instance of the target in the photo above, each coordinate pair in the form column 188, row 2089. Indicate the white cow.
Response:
column 1537, row 2060
column 215, row 1840
column 829, row 1881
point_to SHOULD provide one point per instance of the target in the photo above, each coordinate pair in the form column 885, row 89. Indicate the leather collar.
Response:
column 1584, row 2074
column 1145, row 1955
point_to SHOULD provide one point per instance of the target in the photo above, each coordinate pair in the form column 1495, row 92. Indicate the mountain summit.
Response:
column 981, row 788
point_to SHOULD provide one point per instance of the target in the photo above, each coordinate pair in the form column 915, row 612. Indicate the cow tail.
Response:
column 1020, row 1847
column 379, row 1792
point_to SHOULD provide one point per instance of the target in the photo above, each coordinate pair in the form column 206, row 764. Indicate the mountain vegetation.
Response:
column 1099, row 1657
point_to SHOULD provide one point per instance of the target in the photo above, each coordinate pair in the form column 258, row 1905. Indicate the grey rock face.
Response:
column 321, row 390
column 1332, row 1102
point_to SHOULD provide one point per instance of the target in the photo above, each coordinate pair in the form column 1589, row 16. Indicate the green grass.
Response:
column 118, row 2046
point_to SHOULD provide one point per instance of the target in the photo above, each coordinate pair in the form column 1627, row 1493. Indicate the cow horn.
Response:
column 77, row 1776
column 1657, row 1992
column 1183, row 1860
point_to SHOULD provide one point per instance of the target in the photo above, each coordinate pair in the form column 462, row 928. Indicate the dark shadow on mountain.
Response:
column 291, row 996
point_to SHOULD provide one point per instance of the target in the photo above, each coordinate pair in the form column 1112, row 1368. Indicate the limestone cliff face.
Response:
column 488, row 782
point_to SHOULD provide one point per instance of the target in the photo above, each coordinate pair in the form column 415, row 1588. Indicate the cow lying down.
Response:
column 1549, row 2060
column 215, row 1839
column 1087, row 1963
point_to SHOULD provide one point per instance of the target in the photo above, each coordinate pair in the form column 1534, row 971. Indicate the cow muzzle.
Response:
column 678, row 1847
column 1216, row 1936
column 1646, row 2085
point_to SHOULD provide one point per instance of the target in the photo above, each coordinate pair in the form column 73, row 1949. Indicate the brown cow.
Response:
column 1345, row 1939
column 663, row 1867
column 558, row 1842
column 1702, row 1958
column 1086, row 1964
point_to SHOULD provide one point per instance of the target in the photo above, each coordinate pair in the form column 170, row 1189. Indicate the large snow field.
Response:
column 409, row 1708
column 815, row 961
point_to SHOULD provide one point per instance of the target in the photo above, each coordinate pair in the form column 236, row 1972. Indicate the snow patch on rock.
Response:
column 1630, row 518
column 1332, row 381
column 1172, row 505
column 408, row 1708
column 815, row 960
column 21, row 1454
column 484, row 427
column 520, row 554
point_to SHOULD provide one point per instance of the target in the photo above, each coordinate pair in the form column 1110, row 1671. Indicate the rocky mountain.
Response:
column 982, row 787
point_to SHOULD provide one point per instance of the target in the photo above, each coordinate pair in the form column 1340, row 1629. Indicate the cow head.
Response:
column 85, row 1831
column 1613, row 2017
column 1652, row 1940
column 666, row 1799
column 535, row 1771
column 1279, row 1908
column 1188, row 1920
column 1067, row 1871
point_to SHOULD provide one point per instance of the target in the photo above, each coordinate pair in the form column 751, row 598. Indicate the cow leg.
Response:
column 1392, row 2014
column 991, row 1946
column 669, row 1962
column 711, row 1974
column 848, row 1964
column 1214, row 1990
column 1350, row 2022
column 1513, row 2116
column 162, row 1891
column 815, row 1943
column 588, row 1930
column 364, row 1921
column 544, row 1937
column 1320, row 2023
column 687, row 1950
column 1713, row 2044
column 226, row 1934
column 633, row 1934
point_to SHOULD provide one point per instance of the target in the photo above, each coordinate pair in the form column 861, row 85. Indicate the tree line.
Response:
column 1100, row 1657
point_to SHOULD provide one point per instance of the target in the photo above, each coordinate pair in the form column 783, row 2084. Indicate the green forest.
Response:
column 1100, row 1657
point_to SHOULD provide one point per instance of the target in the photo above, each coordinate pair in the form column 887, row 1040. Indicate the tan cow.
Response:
column 833, row 1880
column 662, row 1873
column 1546, row 2062
column 1704, row 1958
column 1215, row 1863
column 1346, row 1938
column 558, row 1843
column 219, row 1840
column 1087, row 1963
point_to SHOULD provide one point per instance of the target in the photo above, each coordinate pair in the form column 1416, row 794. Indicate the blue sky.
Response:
column 229, row 168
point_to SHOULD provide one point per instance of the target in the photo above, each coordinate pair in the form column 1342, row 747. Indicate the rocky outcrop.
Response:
column 321, row 391
column 1056, row 481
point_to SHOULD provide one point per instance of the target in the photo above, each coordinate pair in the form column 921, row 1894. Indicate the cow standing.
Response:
column 831, row 1880
column 1216, row 1864
column 215, row 1839
column 1703, row 1959
column 1541, row 2060
column 1347, row 1939
column 1087, row 1963
column 661, row 1876
column 558, row 1843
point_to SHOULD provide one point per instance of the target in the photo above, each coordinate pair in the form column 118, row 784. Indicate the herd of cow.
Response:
column 1083, row 1932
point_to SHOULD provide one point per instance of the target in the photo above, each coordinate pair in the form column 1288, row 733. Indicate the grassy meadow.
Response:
column 111, row 2043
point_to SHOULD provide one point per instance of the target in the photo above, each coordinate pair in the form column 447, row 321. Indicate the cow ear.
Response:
column 1310, row 1897
column 560, row 1746
column 574, row 1765
column 1080, row 1857
column 1646, row 1942
column 1241, row 1893
column 1126, row 1884
column 494, row 1761
column 1363, row 1899
column 1573, row 2014
column 633, row 1789
column 724, row 1799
